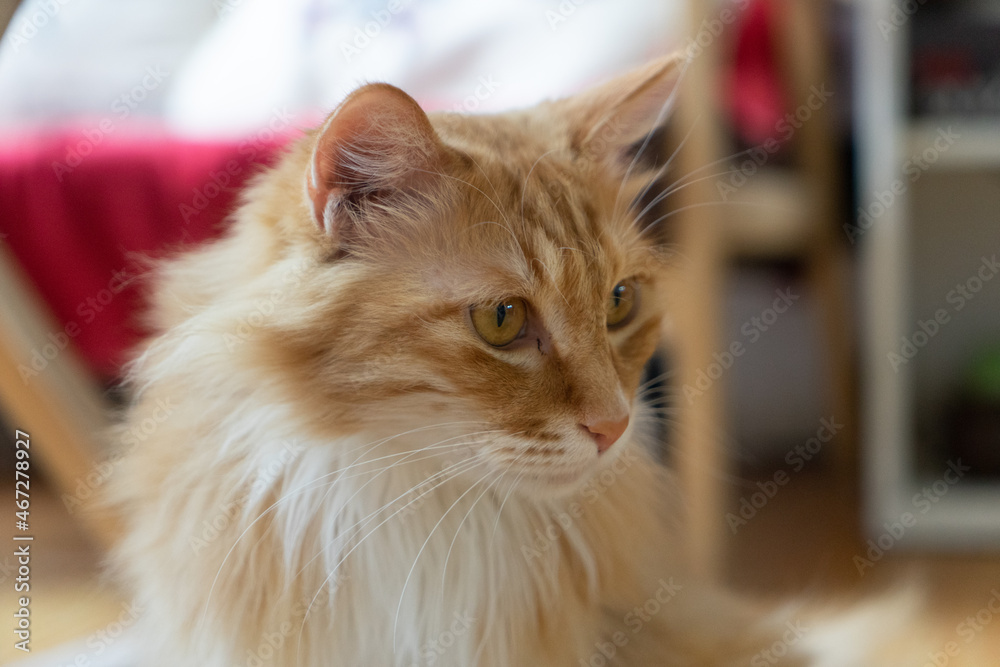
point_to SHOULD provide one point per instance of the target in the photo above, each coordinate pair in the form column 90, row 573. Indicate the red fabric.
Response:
column 756, row 99
column 76, row 207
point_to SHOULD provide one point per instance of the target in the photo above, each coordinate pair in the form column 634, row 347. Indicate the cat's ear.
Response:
column 378, row 144
column 606, row 122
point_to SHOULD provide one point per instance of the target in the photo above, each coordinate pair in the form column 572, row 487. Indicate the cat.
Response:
column 404, row 420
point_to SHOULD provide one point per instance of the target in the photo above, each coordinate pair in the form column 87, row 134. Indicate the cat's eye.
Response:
column 621, row 303
column 502, row 323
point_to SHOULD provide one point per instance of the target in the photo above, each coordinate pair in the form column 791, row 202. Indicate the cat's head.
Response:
column 484, row 272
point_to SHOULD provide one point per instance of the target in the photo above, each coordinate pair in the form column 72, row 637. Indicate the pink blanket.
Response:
column 79, row 207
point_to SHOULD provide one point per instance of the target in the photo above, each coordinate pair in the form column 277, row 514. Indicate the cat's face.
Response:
column 486, row 273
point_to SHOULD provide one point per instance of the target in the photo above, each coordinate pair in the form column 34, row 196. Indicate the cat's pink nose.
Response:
column 606, row 432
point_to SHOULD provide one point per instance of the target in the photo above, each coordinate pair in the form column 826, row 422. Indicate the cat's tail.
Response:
column 884, row 631
column 721, row 631
column 899, row 629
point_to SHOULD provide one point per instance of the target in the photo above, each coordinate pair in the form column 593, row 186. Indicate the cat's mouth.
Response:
column 547, row 466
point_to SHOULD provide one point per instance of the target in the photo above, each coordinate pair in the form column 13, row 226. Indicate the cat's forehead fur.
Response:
column 521, row 208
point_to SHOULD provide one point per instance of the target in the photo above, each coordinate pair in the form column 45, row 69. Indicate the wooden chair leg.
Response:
column 829, row 277
column 52, row 398
column 808, row 57
column 700, row 458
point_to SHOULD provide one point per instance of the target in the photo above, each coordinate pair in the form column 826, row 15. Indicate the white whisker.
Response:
column 456, row 469
column 420, row 551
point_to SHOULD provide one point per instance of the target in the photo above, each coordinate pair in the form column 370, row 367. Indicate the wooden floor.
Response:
column 801, row 543
column 69, row 600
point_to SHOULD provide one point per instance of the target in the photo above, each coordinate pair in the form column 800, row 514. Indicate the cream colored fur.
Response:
column 335, row 471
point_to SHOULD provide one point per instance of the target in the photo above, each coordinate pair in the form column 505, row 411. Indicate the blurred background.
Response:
column 834, row 351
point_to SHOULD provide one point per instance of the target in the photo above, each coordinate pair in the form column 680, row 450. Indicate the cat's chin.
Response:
column 552, row 484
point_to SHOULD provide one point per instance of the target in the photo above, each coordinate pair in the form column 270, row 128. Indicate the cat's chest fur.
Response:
column 413, row 565
column 359, row 550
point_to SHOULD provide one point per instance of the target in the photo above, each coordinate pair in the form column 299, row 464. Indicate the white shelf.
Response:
column 963, row 520
column 968, row 517
column 975, row 142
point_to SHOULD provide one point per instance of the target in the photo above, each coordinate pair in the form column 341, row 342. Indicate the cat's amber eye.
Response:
column 502, row 323
column 621, row 303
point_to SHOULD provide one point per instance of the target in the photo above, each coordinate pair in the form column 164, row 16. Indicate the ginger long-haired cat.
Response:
column 402, row 421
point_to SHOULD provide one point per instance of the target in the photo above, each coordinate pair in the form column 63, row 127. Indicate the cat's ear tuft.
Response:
column 378, row 143
column 607, row 121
